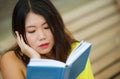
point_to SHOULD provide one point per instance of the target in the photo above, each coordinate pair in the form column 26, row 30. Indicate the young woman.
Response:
column 40, row 33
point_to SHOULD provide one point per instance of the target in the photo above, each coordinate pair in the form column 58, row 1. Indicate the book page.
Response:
column 77, row 52
column 46, row 62
column 73, row 53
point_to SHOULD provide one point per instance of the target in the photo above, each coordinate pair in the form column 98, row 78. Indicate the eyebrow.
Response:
column 44, row 23
column 34, row 26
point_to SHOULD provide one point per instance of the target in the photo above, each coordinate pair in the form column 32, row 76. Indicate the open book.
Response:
column 53, row 69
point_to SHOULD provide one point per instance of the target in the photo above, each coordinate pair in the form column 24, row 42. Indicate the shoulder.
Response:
column 10, row 62
column 9, row 58
column 74, row 44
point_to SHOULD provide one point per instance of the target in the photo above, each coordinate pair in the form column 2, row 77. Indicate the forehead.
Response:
column 33, row 19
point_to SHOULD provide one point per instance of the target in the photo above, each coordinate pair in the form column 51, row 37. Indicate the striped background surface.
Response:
column 96, row 21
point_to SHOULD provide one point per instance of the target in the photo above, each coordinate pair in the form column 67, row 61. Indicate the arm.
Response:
column 11, row 67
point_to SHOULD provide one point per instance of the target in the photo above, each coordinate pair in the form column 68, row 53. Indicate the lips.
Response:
column 44, row 46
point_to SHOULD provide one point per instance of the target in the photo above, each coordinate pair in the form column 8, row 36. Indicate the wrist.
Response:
column 36, row 57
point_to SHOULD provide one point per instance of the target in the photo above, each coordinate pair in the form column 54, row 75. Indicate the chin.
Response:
column 43, row 52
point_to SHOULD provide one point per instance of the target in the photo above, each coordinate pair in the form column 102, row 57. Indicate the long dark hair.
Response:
column 45, row 8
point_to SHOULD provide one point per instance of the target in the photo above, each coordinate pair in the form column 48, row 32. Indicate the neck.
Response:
column 48, row 56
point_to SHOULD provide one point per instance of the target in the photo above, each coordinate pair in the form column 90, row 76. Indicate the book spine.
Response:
column 67, row 72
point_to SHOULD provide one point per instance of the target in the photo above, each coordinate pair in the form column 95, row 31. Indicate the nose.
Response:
column 41, row 35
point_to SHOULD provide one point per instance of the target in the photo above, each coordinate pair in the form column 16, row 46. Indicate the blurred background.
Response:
column 96, row 21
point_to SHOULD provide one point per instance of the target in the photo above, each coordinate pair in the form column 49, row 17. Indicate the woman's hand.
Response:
column 26, row 49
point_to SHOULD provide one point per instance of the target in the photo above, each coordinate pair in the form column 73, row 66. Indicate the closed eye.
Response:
column 31, row 31
column 47, row 27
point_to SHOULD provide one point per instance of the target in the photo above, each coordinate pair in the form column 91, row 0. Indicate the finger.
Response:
column 19, row 40
column 22, row 41
column 17, row 34
column 18, row 37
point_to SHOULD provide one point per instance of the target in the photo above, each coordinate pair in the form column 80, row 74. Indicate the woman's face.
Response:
column 38, row 33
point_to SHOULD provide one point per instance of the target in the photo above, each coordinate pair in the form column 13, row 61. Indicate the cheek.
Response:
column 50, row 36
column 30, row 39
